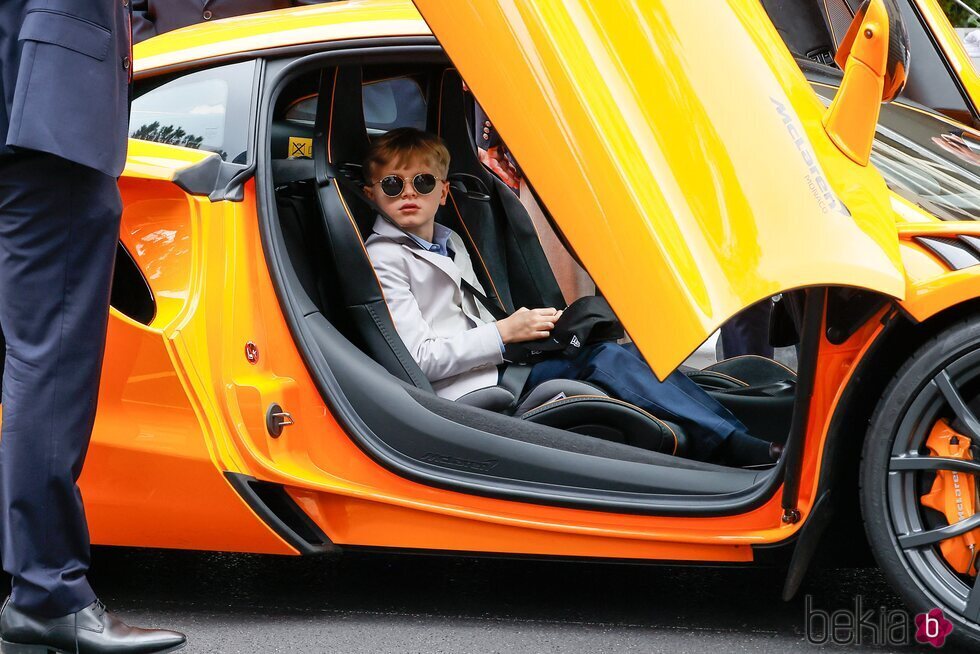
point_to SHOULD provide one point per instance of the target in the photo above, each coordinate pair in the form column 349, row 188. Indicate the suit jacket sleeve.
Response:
column 438, row 356
column 143, row 26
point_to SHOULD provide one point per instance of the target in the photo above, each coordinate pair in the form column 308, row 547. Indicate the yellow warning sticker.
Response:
column 300, row 147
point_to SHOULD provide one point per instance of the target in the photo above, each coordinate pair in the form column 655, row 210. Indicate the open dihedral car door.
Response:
column 679, row 149
column 944, row 56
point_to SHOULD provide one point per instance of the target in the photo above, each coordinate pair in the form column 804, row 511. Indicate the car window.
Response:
column 929, row 161
column 391, row 103
column 205, row 110
column 388, row 103
column 940, row 174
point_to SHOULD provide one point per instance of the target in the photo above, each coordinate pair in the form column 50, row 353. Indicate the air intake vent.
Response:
column 277, row 509
column 957, row 252
column 131, row 295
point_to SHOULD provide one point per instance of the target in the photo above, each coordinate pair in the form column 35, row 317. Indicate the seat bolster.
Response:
column 711, row 380
column 553, row 388
column 610, row 419
column 382, row 343
column 491, row 398
column 753, row 370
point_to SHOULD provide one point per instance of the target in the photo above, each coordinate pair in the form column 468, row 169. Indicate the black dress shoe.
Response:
column 93, row 630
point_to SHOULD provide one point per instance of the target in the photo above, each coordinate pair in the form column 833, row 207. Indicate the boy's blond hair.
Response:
column 402, row 144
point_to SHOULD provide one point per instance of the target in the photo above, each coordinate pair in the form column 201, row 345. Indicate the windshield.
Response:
column 929, row 161
column 941, row 176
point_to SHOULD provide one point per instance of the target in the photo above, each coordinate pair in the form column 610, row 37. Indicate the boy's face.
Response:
column 411, row 210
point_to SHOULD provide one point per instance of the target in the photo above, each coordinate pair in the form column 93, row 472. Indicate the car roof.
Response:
column 333, row 21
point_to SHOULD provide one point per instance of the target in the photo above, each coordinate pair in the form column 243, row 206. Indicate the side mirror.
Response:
column 875, row 56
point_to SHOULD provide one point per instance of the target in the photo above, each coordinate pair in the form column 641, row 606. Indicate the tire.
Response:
column 890, row 493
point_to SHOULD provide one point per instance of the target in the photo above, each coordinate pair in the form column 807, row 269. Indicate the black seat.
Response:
column 348, row 218
column 340, row 129
column 512, row 266
column 759, row 390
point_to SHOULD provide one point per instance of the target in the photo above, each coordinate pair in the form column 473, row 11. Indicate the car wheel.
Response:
column 918, row 479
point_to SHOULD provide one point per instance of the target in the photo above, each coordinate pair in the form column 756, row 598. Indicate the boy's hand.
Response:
column 527, row 325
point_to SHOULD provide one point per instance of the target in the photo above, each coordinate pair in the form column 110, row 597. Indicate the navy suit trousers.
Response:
column 59, row 226
column 748, row 333
column 621, row 371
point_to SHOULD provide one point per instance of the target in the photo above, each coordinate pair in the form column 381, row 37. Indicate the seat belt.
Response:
column 513, row 376
column 492, row 307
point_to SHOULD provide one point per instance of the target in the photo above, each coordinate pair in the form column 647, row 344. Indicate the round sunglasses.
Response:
column 394, row 185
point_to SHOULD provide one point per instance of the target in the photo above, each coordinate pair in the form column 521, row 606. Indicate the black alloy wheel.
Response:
column 940, row 382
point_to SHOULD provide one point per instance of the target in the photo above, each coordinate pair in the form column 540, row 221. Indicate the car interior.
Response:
column 562, row 442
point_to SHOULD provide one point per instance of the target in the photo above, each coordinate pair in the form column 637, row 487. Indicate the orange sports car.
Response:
column 256, row 397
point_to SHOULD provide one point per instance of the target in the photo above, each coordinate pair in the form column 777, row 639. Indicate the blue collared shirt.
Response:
column 440, row 244
column 440, row 236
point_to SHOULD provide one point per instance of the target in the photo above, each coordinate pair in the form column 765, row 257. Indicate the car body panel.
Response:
column 353, row 499
column 358, row 502
column 150, row 479
column 837, row 365
column 932, row 286
column 153, row 475
column 161, row 161
column 700, row 222
column 158, row 221
column 287, row 28
column 952, row 48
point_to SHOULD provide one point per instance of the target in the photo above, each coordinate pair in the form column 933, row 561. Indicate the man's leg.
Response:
column 59, row 225
column 747, row 333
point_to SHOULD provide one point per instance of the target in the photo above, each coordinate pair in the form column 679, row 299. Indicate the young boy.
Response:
column 422, row 265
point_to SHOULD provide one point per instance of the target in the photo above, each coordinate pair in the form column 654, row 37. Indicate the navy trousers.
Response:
column 747, row 333
column 59, row 226
column 621, row 371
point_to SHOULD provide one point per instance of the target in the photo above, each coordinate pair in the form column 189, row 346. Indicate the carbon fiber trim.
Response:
column 839, row 17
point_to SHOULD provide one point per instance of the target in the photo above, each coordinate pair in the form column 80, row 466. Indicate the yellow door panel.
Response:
column 683, row 158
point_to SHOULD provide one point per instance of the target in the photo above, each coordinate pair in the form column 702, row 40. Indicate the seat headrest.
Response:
column 454, row 128
column 347, row 138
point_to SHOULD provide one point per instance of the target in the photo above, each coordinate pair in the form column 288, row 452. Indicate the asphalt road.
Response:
column 380, row 602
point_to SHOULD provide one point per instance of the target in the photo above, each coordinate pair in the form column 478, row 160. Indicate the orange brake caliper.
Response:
column 954, row 495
